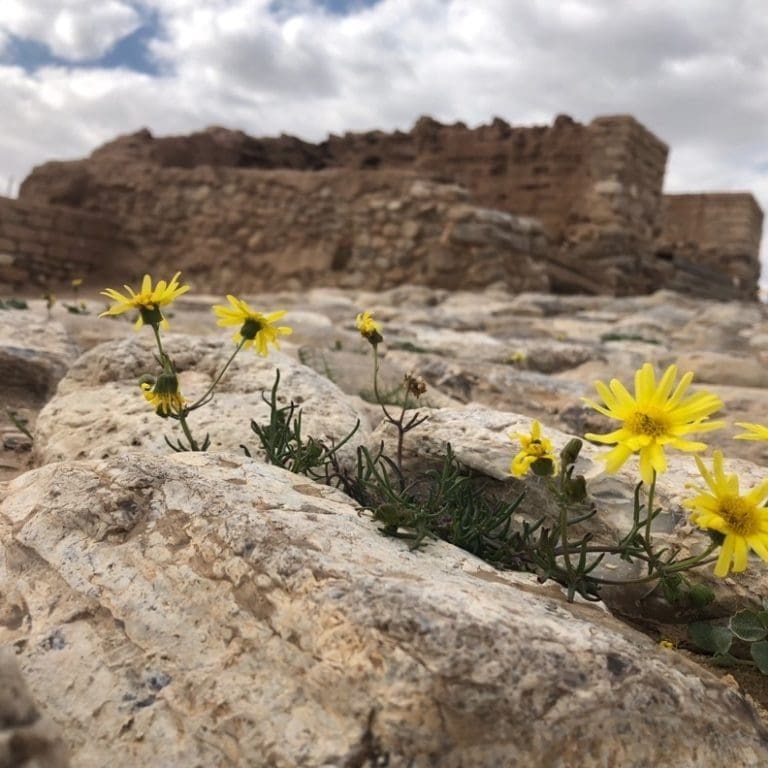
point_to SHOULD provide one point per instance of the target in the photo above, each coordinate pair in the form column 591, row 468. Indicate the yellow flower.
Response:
column 754, row 431
column 537, row 453
column 256, row 329
column 165, row 403
column 743, row 520
column 654, row 418
column 369, row 328
column 77, row 282
column 148, row 300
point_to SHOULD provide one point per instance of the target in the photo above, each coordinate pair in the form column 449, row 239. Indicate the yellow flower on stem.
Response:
column 164, row 396
column 658, row 416
column 148, row 300
column 369, row 328
column 256, row 330
column 754, row 431
column 537, row 453
column 742, row 520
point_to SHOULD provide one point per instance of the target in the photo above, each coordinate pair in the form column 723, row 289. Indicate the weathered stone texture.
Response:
column 261, row 229
column 338, row 212
column 42, row 244
column 210, row 610
column 713, row 240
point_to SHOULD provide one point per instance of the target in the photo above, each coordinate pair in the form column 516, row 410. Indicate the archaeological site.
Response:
column 569, row 208
column 310, row 582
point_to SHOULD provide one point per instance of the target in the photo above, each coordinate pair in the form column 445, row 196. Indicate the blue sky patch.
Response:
column 337, row 7
column 131, row 52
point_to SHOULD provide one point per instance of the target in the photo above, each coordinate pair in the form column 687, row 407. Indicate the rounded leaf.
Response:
column 747, row 625
column 710, row 637
column 759, row 653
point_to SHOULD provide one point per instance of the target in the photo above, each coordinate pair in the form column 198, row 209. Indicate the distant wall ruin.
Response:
column 261, row 230
column 223, row 203
column 713, row 233
column 47, row 244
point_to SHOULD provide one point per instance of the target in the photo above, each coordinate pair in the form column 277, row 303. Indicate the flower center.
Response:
column 651, row 424
column 251, row 328
column 739, row 514
column 536, row 448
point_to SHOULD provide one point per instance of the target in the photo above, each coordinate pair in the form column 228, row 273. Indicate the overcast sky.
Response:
column 75, row 73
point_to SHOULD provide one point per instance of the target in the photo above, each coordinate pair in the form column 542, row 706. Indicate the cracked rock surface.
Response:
column 211, row 610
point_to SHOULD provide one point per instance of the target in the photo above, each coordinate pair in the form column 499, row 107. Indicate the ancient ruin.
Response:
column 567, row 207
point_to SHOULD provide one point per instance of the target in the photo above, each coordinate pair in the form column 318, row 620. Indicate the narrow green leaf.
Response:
column 701, row 595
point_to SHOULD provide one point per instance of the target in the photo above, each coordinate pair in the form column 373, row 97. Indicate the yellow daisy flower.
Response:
column 537, row 453
column 754, row 431
column 148, row 300
column 654, row 418
column 255, row 328
column 743, row 520
column 368, row 327
column 164, row 403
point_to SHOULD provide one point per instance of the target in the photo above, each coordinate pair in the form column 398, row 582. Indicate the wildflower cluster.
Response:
column 659, row 416
column 162, row 391
column 449, row 502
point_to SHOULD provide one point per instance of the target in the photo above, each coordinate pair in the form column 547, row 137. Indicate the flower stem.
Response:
column 192, row 442
column 202, row 400
column 649, row 514
column 156, row 330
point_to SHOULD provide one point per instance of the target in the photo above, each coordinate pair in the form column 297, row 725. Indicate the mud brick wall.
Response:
column 262, row 229
column 46, row 245
column 719, row 232
column 595, row 189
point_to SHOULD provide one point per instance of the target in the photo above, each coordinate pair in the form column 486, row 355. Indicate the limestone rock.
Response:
column 35, row 352
column 204, row 609
column 28, row 739
column 99, row 409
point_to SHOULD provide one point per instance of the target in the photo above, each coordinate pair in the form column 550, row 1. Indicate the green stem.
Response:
column 156, row 330
column 564, row 538
column 389, row 416
column 192, row 442
column 201, row 400
column 649, row 514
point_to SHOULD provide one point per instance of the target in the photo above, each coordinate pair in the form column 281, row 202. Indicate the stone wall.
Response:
column 255, row 230
column 221, row 203
column 717, row 234
column 45, row 245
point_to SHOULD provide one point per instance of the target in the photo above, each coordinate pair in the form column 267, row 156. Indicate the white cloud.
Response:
column 694, row 71
column 75, row 30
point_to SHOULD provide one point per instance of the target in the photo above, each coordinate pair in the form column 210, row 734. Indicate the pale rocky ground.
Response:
column 206, row 610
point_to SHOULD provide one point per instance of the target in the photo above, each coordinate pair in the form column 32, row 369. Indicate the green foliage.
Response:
column 284, row 445
column 452, row 503
column 727, row 643
column 614, row 336
column 13, row 304
column 77, row 309
column 408, row 346
column 20, row 422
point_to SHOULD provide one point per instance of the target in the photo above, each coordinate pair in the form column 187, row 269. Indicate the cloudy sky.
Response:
column 74, row 73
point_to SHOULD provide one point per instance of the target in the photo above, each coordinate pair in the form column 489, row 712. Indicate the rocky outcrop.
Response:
column 209, row 609
column 261, row 229
column 100, row 399
column 28, row 739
